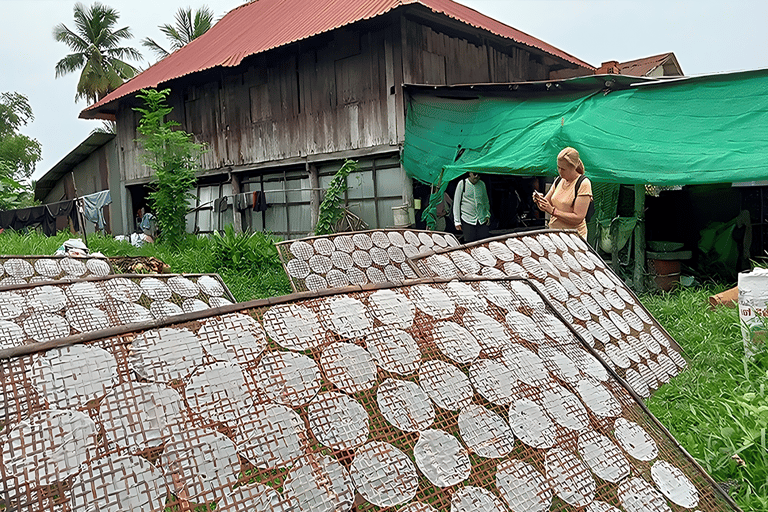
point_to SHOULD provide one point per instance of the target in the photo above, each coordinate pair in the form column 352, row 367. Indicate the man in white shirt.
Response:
column 471, row 209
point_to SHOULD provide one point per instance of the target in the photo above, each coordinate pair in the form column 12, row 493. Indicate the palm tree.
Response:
column 96, row 51
column 189, row 26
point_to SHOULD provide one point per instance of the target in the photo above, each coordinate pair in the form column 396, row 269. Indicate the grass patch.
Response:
column 718, row 407
column 248, row 264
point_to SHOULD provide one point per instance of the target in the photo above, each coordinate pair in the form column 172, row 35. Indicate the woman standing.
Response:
column 567, row 206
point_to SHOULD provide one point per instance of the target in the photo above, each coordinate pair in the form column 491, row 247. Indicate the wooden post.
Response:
column 237, row 215
column 79, row 206
column 639, row 276
column 314, row 194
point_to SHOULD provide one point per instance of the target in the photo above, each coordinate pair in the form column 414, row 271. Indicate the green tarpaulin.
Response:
column 708, row 129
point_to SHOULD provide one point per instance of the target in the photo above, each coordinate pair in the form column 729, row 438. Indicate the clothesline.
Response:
column 45, row 215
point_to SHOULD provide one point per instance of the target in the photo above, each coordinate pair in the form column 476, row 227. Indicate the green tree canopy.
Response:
column 97, row 53
column 18, row 153
column 189, row 26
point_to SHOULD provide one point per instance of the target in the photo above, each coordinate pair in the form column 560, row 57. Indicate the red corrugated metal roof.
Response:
column 265, row 24
column 641, row 67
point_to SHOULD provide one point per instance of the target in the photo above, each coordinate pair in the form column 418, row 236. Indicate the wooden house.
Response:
column 283, row 91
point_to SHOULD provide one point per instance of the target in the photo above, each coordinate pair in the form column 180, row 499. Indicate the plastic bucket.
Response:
column 402, row 216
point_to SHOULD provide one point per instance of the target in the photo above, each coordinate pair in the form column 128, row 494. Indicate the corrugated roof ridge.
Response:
column 206, row 52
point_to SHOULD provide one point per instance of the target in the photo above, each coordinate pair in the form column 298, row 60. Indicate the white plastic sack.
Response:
column 753, row 308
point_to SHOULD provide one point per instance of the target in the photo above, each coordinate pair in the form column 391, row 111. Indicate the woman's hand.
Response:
column 543, row 204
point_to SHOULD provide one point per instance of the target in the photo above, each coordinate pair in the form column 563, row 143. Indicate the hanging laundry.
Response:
column 62, row 209
column 259, row 202
column 243, row 201
column 27, row 218
column 93, row 204
column 221, row 204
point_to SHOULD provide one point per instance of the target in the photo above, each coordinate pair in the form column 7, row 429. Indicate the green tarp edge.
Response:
column 709, row 129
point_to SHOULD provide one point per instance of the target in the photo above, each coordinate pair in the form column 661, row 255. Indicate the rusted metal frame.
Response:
column 198, row 315
column 62, row 282
column 432, row 252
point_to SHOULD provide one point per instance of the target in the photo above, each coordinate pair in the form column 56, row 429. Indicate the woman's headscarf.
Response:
column 571, row 156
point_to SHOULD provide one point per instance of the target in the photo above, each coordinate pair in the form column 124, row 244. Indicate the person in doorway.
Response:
column 568, row 199
column 471, row 209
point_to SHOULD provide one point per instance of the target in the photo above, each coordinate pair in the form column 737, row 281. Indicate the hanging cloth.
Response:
column 259, row 201
column 93, row 204
column 62, row 209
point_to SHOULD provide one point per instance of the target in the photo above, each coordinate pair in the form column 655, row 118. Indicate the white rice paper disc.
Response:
column 342, row 260
column 405, row 405
column 11, row 335
column 362, row 241
column 384, row 475
column 302, row 250
column 616, row 301
column 336, row 278
column 70, row 377
column 534, row 268
column 518, row 247
column 558, row 241
column 447, row 386
column 362, row 259
column 524, row 327
column 155, row 288
column 235, row 337
column 379, row 256
column 323, row 246
column 525, row 296
column 11, row 305
column 396, row 238
column 218, row 393
column 293, row 326
column 484, row 256
column 441, row 458
column 493, row 381
column 86, row 292
column 394, row 350
column 673, row 484
column 298, row 268
column 320, row 264
column 17, row 267
column 560, row 365
column 531, row 424
column 418, row 507
column 349, row 367
column 119, row 482
column 569, row 477
column 137, row 416
column 46, row 267
column 271, row 436
column 161, row 309
column 432, row 301
column 46, row 327
column 338, row 421
column 455, row 342
column 197, row 463
column 465, row 296
column 288, row 378
column 392, row 308
column 87, row 319
column 524, row 365
column 475, row 499
column 565, row 408
column 533, row 244
column 48, row 299
column 512, row 269
column 183, row 286
column 522, row 487
column 164, row 355
column 603, row 457
column 635, row 440
column 192, row 305
column 491, row 335
column 347, row 317
column 380, row 239
column 485, row 432
column 637, row 495
column 318, row 483
column 356, row 276
column 547, row 243
column 559, row 264
column 98, row 267
column 396, row 254
column 49, row 447
column 464, row 261
column 122, row 289
column 129, row 313
column 441, row 265
column 393, row 274
column 501, row 251
column 210, row 286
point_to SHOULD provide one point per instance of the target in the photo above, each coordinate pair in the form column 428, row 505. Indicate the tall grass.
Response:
column 718, row 407
column 250, row 277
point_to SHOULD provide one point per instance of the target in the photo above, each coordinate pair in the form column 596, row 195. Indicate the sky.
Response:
column 707, row 36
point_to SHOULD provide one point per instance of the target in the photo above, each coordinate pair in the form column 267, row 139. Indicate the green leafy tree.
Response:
column 189, row 26
column 97, row 53
column 18, row 152
column 174, row 157
column 332, row 208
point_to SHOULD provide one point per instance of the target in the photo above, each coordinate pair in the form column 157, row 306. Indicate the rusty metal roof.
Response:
column 262, row 25
column 644, row 66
